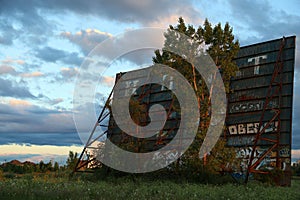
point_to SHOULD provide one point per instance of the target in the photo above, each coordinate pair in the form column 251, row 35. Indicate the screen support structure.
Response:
column 274, row 92
column 85, row 160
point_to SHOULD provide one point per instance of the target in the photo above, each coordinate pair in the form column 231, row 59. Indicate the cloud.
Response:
column 128, row 11
column 68, row 72
column 32, row 74
column 28, row 15
column 55, row 101
column 262, row 21
column 6, row 69
column 16, row 102
column 108, row 80
column 50, row 54
column 9, row 88
column 20, row 116
column 50, row 101
column 7, row 32
column 296, row 154
column 13, row 61
column 19, row 19
column 35, row 153
column 86, row 39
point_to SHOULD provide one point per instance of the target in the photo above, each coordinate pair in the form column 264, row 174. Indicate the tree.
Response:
column 42, row 167
column 56, row 166
column 72, row 160
column 222, row 47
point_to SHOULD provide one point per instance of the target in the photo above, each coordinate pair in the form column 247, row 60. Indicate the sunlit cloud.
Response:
column 87, row 39
column 68, row 72
column 164, row 22
column 296, row 154
column 37, row 149
column 36, row 153
column 13, row 61
column 18, row 102
column 6, row 69
column 32, row 74
column 108, row 80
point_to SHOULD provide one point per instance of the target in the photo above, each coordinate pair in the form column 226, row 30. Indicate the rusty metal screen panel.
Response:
column 247, row 102
column 146, row 96
column 245, row 107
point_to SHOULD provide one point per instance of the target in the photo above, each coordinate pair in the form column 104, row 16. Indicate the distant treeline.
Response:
column 18, row 167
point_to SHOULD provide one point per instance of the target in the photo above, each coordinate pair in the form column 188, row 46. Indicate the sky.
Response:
column 43, row 44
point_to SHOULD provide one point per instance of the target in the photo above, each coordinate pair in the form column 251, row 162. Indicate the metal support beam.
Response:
column 274, row 91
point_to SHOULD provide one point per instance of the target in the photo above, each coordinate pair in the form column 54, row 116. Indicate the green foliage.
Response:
column 220, row 43
column 44, row 167
column 19, row 169
column 222, row 47
column 9, row 175
column 72, row 160
column 271, row 178
column 56, row 166
column 128, row 188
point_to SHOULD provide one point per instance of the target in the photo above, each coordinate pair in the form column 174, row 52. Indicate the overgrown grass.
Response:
column 47, row 187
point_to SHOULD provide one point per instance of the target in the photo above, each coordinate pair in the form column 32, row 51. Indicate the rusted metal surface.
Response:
column 259, row 116
column 147, row 96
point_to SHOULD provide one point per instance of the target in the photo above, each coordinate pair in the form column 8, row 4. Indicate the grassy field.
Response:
column 126, row 188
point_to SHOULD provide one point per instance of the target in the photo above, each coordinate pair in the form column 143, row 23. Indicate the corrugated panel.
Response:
column 264, row 58
column 265, row 47
column 264, row 69
column 257, row 93
column 256, row 105
column 259, row 81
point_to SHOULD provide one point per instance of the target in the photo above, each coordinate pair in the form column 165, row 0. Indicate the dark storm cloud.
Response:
column 31, row 119
column 9, row 88
column 50, row 54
